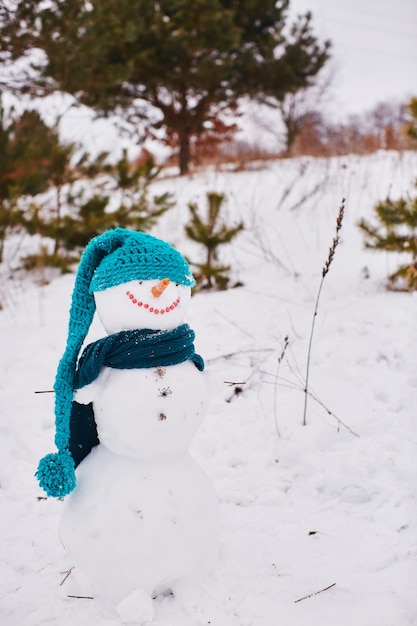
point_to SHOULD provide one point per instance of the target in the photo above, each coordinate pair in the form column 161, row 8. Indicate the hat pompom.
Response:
column 56, row 474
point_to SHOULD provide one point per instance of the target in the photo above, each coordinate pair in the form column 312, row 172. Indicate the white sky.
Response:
column 374, row 49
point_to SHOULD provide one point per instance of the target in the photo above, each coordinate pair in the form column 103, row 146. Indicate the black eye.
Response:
column 177, row 284
column 140, row 282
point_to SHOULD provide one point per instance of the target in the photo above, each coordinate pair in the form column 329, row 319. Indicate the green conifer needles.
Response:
column 396, row 231
column 211, row 233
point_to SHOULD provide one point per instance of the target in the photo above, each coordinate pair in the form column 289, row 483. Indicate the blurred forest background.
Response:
column 180, row 78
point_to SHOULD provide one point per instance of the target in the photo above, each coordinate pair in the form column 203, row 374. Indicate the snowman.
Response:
column 141, row 516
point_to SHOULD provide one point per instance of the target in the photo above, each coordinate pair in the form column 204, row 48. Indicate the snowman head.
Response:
column 117, row 267
column 145, row 283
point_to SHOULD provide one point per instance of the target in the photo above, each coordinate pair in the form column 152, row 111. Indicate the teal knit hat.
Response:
column 115, row 257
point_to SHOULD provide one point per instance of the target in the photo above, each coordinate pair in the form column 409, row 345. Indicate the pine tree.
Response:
column 396, row 232
column 80, row 216
column 411, row 127
column 64, row 215
column 188, row 59
column 136, row 210
column 211, row 233
column 49, row 188
column 397, row 228
column 26, row 144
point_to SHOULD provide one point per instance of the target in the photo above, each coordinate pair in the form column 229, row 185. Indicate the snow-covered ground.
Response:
column 319, row 522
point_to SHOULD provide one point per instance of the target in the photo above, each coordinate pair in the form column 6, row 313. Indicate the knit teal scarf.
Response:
column 132, row 349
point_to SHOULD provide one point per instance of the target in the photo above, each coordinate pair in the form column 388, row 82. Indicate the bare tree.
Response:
column 300, row 108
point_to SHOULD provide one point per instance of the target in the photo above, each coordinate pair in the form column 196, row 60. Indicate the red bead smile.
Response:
column 150, row 308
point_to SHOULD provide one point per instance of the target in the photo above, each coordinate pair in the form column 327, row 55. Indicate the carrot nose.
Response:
column 159, row 289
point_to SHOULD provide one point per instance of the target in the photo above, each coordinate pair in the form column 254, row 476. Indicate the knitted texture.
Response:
column 56, row 473
column 140, row 257
column 133, row 349
column 115, row 257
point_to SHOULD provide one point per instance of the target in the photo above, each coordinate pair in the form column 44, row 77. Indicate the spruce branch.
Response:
column 396, row 231
column 324, row 273
column 211, row 233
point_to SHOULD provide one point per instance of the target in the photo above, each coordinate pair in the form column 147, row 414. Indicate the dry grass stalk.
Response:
column 289, row 384
column 310, row 595
column 280, row 359
column 324, row 273
column 336, row 239
column 67, row 574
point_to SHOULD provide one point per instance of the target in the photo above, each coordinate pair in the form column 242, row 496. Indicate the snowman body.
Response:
column 143, row 514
